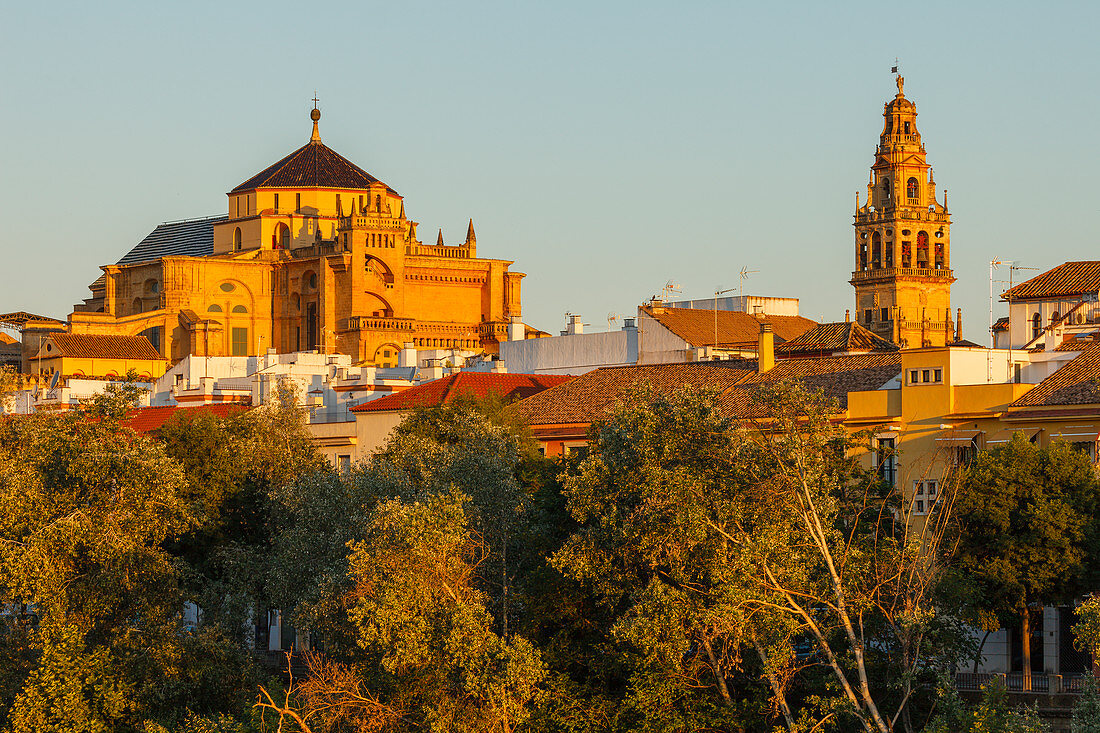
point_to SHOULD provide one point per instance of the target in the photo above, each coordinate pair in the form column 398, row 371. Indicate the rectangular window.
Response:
column 918, row 506
column 937, row 375
column 276, row 202
column 886, row 461
column 343, row 464
column 914, row 376
column 885, row 314
column 926, row 376
column 930, row 487
column 867, row 315
column 1085, row 446
column 297, row 202
column 240, row 342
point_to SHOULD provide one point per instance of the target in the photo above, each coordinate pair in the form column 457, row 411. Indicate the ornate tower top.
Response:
column 903, row 258
column 315, row 115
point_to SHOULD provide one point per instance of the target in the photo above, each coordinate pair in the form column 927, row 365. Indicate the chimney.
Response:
column 847, row 316
column 765, row 351
column 958, row 324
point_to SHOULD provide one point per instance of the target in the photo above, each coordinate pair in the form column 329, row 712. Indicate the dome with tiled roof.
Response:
column 314, row 165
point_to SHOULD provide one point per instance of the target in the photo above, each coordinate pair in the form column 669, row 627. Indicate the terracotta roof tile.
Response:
column 1067, row 279
column 314, row 165
column 1077, row 383
column 150, row 419
column 836, row 376
column 89, row 346
column 831, row 338
column 593, row 395
column 696, row 325
column 476, row 384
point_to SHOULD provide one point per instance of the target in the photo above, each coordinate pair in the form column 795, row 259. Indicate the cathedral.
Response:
column 314, row 253
column 902, row 272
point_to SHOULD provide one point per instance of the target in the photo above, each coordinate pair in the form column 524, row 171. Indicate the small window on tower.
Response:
column 867, row 316
column 885, row 315
column 906, row 128
column 911, row 185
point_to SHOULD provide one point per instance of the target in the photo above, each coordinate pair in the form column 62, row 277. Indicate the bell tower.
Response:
column 903, row 239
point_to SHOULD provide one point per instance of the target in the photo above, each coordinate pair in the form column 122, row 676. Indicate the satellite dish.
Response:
column 53, row 380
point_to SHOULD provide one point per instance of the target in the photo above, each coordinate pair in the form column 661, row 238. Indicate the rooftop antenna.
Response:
column 670, row 287
column 745, row 272
column 612, row 316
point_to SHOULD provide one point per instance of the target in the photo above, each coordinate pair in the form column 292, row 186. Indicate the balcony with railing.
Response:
column 876, row 273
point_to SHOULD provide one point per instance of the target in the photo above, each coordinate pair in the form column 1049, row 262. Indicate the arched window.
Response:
column 1054, row 317
column 281, row 238
column 922, row 249
column 1036, row 325
column 135, row 307
column 214, row 308
column 911, row 188
column 239, row 309
column 886, row 186
column 876, row 250
column 236, row 239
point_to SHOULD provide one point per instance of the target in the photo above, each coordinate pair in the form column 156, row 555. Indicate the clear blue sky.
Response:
column 605, row 147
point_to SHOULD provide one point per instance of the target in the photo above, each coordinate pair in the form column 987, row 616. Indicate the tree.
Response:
column 1024, row 516
column 85, row 508
column 715, row 546
column 993, row 714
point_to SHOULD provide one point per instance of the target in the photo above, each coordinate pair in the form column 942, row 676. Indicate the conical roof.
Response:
column 314, row 165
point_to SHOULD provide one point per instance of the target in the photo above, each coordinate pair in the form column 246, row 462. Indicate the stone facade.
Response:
column 315, row 254
column 903, row 239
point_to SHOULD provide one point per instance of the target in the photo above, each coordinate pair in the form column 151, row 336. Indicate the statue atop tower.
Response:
column 902, row 271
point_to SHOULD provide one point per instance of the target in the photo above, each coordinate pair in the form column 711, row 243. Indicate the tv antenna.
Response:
column 612, row 316
column 745, row 272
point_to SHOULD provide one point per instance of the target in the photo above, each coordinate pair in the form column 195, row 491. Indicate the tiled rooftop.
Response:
column 314, row 165
column 594, row 395
column 466, row 384
column 1067, row 279
column 151, row 419
column 735, row 329
column 89, row 346
column 832, row 338
column 1077, row 383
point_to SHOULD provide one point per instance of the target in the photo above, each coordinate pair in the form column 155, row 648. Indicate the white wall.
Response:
column 744, row 304
column 571, row 354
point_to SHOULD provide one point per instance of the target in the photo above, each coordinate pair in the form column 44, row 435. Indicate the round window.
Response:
column 228, row 287
column 905, row 232
column 889, row 232
column 939, row 235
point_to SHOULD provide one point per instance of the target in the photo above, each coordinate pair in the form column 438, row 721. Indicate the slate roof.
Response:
column 1077, row 383
column 1067, row 279
column 466, row 384
column 189, row 238
column 90, row 346
column 832, row 338
column 696, row 325
column 150, row 419
column 314, row 165
column 594, row 394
